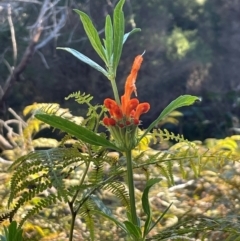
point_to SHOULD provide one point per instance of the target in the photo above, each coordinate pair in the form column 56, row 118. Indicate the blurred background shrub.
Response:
column 192, row 46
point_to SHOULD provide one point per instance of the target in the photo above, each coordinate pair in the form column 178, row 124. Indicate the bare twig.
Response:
column 131, row 20
column 1, row 91
column 5, row 161
column 22, row 65
column 18, row 123
column 8, row 66
column 72, row 33
column 4, row 144
column 28, row 1
column 54, row 33
column 17, row 116
column 85, row 38
column 12, row 30
column 43, row 59
column 24, row 61
column 38, row 29
column 3, row 54
column 10, row 135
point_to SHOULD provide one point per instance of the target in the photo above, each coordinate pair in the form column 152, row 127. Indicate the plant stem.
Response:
column 115, row 91
column 71, row 203
column 74, row 214
column 131, row 188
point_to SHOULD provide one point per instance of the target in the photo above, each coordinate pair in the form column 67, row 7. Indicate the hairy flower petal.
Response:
column 109, row 121
column 141, row 109
column 109, row 103
column 116, row 112
column 131, row 106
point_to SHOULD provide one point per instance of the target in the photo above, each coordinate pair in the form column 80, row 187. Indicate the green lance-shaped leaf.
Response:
column 146, row 205
column 92, row 34
column 12, row 233
column 106, row 212
column 85, row 59
column 126, row 35
column 133, row 230
column 109, row 38
column 160, row 218
column 183, row 100
column 73, row 129
column 118, row 26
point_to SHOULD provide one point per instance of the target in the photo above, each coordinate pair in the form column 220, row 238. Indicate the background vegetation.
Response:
column 191, row 47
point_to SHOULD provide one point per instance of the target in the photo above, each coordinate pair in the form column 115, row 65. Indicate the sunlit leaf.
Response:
column 48, row 108
column 118, row 26
column 126, row 35
column 160, row 218
column 133, row 230
column 106, row 212
column 183, row 100
column 85, row 59
column 92, row 34
column 76, row 130
column 146, row 205
column 109, row 38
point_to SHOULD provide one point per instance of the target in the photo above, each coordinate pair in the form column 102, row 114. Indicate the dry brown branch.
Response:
column 13, row 37
column 15, row 76
column 40, row 36
column 4, row 144
column 7, row 143
column 7, row 132
column 17, row 117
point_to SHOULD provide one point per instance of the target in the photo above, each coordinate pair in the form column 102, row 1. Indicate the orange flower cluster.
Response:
column 130, row 110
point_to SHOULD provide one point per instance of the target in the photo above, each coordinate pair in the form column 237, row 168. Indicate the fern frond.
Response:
column 41, row 170
column 80, row 98
column 166, row 135
column 6, row 215
column 33, row 126
column 96, row 174
column 20, row 181
column 120, row 191
column 39, row 184
column 94, row 112
column 24, row 198
column 199, row 227
column 66, row 139
column 49, row 107
column 43, row 203
column 86, row 212
column 166, row 171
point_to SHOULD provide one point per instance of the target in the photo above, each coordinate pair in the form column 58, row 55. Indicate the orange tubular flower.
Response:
column 109, row 121
column 132, row 105
column 127, row 114
column 141, row 109
column 130, row 82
